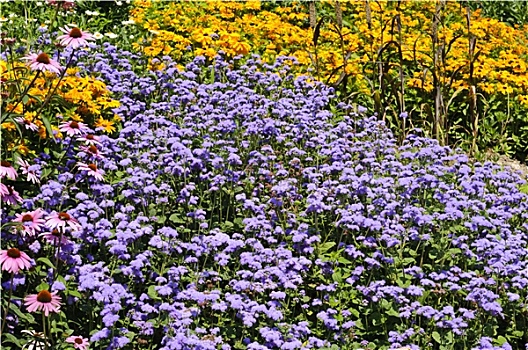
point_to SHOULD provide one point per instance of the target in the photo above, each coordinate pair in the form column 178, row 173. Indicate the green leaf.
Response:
column 46, row 261
column 501, row 340
column 74, row 293
column 43, row 286
column 323, row 248
column 436, row 337
column 176, row 218
column 47, row 124
column 22, row 315
column 153, row 293
column 12, row 339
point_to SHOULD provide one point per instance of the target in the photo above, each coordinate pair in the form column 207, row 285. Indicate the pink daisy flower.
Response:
column 92, row 150
column 55, row 237
column 12, row 197
column 6, row 169
column 27, row 123
column 75, row 37
column 13, row 260
column 43, row 301
column 73, row 128
column 92, row 170
column 61, row 220
column 90, row 140
column 31, row 221
column 31, row 175
column 78, row 342
column 43, row 63
column 4, row 191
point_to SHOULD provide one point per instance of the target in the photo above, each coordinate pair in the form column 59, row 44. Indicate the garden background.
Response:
column 264, row 175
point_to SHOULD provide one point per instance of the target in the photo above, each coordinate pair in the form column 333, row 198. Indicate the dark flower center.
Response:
column 92, row 167
column 13, row 253
column 89, row 137
column 44, row 296
column 56, row 232
column 92, row 149
column 27, row 217
column 75, row 33
column 43, row 58
column 74, row 125
column 64, row 216
column 5, row 163
column 27, row 122
column 78, row 340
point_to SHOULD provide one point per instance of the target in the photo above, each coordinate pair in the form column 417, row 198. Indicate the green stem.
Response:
column 4, row 319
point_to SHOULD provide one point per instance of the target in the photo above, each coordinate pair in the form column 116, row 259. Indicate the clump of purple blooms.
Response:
column 243, row 208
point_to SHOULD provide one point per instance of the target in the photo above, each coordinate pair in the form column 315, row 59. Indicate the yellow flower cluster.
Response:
column 84, row 99
column 184, row 29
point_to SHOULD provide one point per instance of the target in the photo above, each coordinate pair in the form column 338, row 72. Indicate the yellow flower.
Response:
column 108, row 102
column 106, row 125
column 9, row 126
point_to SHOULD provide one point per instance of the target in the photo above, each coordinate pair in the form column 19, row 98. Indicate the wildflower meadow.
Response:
column 256, row 175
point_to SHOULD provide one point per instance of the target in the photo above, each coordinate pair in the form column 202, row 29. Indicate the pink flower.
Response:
column 73, row 128
column 12, row 197
column 31, row 221
column 92, row 170
column 61, row 220
column 75, row 37
column 6, row 169
column 27, row 123
column 43, row 301
column 90, row 139
column 31, row 175
column 92, row 150
column 4, row 191
column 56, row 237
column 13, row 260
column 42, row 62
column 78, row 342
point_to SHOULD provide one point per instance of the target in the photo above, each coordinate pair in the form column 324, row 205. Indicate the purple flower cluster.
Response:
column 247, row 209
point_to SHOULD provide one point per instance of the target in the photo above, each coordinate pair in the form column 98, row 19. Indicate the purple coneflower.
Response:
column 61, row 220
column 73, row 128
column 13, row 260
column 56, row 237
column 43, row 301
column 78, row 342
column 6, row 169
column 12, row 197
column 75, row 37
column 42, row 62
column 31, row 175
column 27, row 123
column 90, row 139
column 92, row 170
column 31, row 221
column 92, row 150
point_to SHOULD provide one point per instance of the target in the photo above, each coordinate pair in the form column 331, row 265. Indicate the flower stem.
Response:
column 4, row 319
